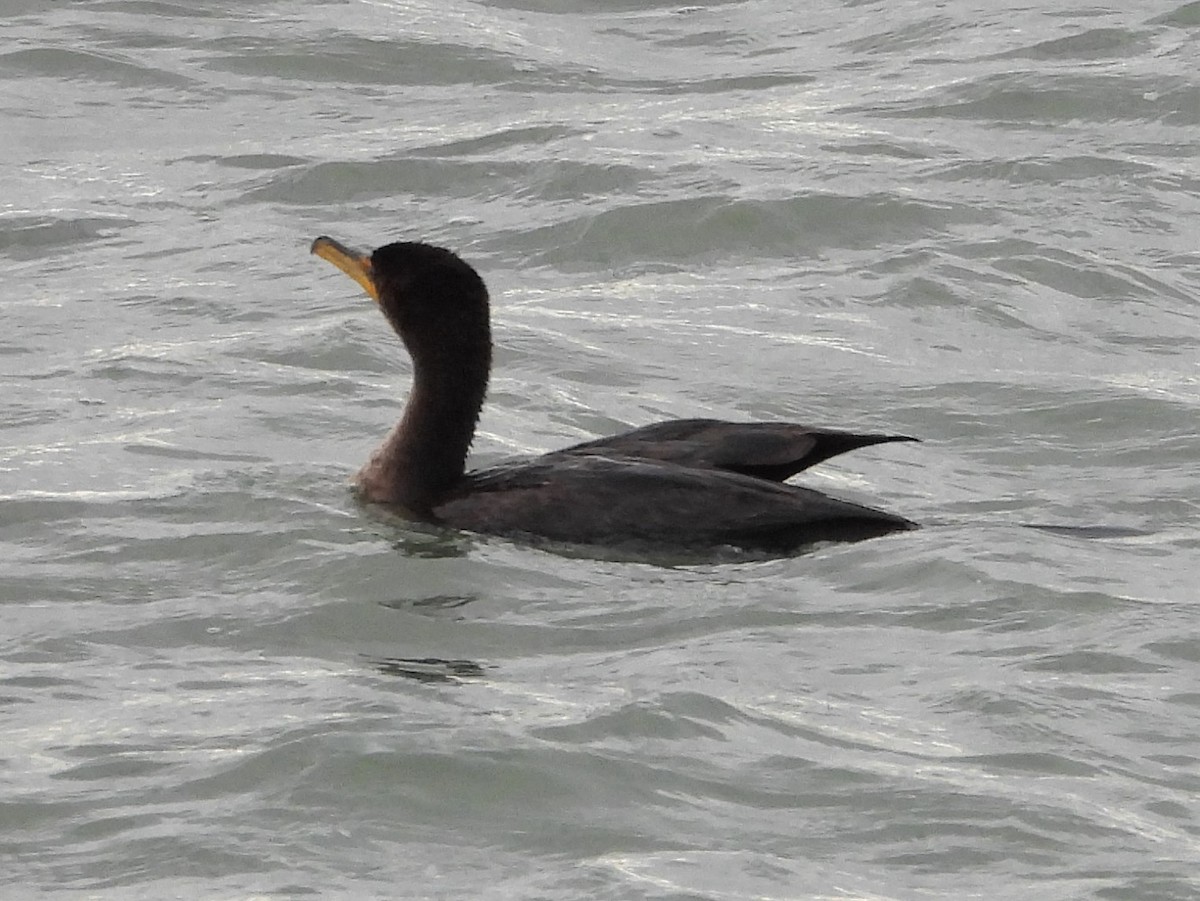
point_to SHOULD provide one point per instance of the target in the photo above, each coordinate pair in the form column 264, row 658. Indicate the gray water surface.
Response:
column 223, row 678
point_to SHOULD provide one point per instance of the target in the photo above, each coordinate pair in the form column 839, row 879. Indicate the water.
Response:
column 222, row 678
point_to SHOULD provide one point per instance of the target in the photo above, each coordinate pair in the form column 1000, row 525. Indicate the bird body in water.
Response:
column 684, row 483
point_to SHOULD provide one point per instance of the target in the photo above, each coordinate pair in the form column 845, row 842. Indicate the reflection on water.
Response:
column 432, row 602
column 427, row 669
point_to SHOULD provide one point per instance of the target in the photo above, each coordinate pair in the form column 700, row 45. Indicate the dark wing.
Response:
column 766, row 450
column 591, row 499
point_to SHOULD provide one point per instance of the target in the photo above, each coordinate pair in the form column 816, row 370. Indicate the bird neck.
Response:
column 424, row 456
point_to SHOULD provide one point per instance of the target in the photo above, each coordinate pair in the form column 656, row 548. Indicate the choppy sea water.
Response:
column 222, row 678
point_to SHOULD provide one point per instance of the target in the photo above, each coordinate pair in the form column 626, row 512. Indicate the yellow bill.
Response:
column 354, row 264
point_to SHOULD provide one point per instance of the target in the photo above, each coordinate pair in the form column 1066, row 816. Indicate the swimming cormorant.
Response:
column 688, row 483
